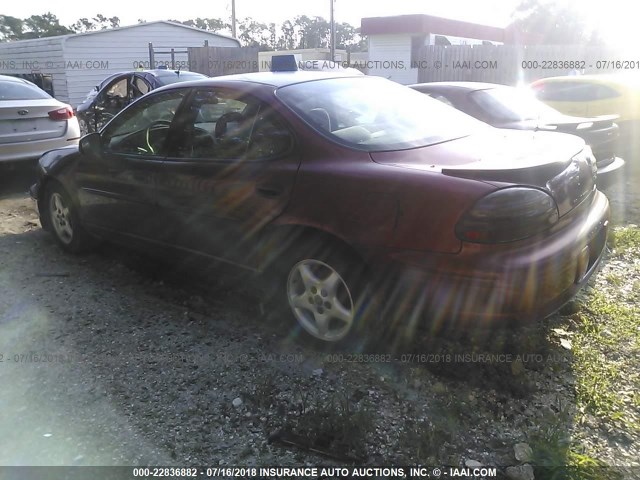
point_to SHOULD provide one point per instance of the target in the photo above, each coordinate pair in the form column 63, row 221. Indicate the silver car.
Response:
column 32, row 122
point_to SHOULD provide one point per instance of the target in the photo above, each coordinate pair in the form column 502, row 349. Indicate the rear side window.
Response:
column 574, row 92
column 11, row 90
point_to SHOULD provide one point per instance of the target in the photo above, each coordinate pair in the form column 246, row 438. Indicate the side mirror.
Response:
column 91, row 145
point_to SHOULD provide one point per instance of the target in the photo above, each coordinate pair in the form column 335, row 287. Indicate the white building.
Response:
column 394, row 42
column 70, row 65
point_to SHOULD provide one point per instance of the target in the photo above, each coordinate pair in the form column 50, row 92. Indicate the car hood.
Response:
column 555, row 162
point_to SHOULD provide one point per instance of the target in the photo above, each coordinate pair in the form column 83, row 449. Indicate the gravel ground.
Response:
column 113, row 359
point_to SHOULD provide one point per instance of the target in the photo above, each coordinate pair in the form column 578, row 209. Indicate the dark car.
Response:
column 508, row 107
column 367, row 203
column 117, row 91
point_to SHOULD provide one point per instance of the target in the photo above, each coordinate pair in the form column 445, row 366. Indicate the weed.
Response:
column 624, row 239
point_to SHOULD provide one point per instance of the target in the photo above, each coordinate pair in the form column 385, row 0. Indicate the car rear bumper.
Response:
column 487, row 284
column 32, row 150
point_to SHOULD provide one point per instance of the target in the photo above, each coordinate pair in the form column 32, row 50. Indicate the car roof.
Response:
column 8, row 78
column 164, row 72
column 275, row 79
column 615, row 78
column 469, row 86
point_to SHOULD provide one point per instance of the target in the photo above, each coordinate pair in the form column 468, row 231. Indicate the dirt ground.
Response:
column 109, row 358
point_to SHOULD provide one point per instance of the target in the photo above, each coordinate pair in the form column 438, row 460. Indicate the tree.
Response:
column 555, row 23
column 210, row 24
column 255, row 34
column 83, row 25
column 287, row 40
column 47, row 25
column 10, row 28
column 312, row 32
column 98, row 22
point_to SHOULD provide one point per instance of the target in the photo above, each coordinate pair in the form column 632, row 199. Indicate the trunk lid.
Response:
column 555, row 162
column 28, row 120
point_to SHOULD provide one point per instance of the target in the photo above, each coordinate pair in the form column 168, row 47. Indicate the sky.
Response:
column 490, row 12
column 613, row 17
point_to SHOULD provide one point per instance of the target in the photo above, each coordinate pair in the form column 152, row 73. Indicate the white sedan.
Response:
column 32, row 122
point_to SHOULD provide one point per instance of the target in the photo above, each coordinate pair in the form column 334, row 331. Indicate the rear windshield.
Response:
column 11, row 90
column 511, row 104
column 375, row 114
column 172, row 77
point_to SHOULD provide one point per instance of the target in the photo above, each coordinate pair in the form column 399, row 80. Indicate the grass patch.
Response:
column 623, row 239
column 606, row 349
column 614, row 279
column 556, row 457
column 337, row 427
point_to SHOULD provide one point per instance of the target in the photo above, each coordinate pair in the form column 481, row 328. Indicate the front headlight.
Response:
column 508, row 215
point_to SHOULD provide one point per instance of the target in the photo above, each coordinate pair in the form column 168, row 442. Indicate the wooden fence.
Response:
column 215, row 61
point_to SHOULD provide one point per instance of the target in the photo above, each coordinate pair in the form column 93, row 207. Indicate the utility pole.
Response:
column 332, row 50
column 233, row 18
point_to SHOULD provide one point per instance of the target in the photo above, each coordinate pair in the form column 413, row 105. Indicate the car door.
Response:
column 109, row 101
column 230, row 172
column 118, row 190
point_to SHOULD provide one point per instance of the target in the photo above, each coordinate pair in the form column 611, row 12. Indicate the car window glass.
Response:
column 113, row 98
column 118, row 89
column 509, row 104
column 574, row 92
column 142, row 129
column 441, row 98
column 270, row 137
column 12, row 90
column 374, row 114
column 140, row 87
column 221, row 125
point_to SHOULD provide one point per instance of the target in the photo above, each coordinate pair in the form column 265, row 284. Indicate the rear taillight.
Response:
column 64, row 113
column 508, row 215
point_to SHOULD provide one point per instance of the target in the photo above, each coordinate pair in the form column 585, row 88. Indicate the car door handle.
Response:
column 269, row 191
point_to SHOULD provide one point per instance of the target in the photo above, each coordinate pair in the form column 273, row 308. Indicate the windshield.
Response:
column 373, row 114
column 512, row 104
column 172, row 77
column 20, row 90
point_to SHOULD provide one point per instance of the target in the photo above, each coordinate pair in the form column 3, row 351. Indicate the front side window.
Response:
column 118, row 89
column 114, row 97
column 374, row 114
column 143, row 128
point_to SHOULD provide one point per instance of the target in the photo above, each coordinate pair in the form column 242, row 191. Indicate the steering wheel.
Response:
column 221, row 123
column 153, row 125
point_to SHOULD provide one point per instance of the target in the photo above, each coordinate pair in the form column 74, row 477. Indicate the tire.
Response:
column 327, row 292
column 64, row 222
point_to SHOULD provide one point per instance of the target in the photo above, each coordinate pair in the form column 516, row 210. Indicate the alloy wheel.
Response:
column 320, row 300
column 61, row 218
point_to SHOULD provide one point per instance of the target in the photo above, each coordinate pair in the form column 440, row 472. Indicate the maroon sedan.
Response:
column 365, row 199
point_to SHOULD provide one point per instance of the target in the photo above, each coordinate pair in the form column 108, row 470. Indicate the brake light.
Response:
column 508, row 215
column 64, row 113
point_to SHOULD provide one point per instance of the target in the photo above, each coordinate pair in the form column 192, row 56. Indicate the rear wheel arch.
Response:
column 283, row 238
column 302, row 247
